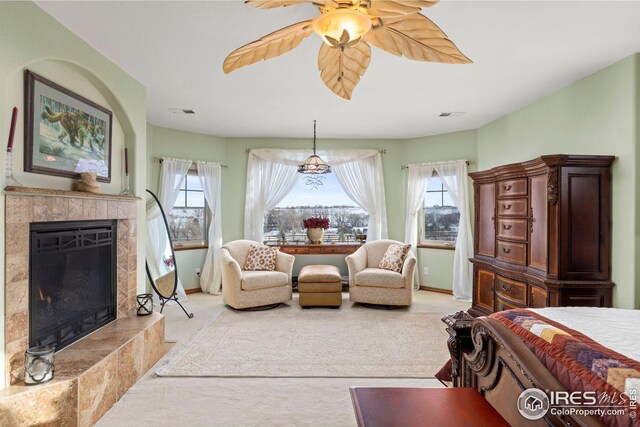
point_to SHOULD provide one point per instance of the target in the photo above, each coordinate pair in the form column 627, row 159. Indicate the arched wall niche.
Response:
column 88, row 84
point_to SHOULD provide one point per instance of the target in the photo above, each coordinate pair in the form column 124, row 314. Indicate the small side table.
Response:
column 459, row 342
column 417, row 407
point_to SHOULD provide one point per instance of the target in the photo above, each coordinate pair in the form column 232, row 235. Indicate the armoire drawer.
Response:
column 512, row 187
column 512, row 290
column 512, row 252
column 512, row 207
column 512, row 229
column 502, row 305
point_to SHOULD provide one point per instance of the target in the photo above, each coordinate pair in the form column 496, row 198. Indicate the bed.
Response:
column 563, row 349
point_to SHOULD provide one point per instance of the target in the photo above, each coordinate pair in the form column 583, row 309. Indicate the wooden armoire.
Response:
column 542, row 235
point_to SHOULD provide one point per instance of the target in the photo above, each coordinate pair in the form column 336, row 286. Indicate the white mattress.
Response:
column 614, row 328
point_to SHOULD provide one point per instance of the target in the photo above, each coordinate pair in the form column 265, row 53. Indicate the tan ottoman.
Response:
column 320, row 286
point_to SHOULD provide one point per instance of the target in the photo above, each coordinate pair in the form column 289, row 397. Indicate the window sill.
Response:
column 189, row 247
column 436, row 246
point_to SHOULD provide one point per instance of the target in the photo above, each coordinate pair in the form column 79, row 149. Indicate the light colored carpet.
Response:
column 244, row 402
column 370, row 344
column 266, row 402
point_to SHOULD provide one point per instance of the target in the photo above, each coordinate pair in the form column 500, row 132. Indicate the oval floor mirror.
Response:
column 161, row 259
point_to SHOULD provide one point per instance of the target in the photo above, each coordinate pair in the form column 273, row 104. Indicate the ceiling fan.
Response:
column 347, row 27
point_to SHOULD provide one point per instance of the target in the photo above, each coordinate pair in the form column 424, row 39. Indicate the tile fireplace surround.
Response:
column 95, row 371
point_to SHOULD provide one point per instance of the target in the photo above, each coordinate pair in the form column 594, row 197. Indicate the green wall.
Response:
column 596, row 115
column 31, row 39
column 232, row 151
column 637, row 181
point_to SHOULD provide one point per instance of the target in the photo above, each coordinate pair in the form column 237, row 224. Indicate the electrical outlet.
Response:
column 198, row 272
column 426, row 271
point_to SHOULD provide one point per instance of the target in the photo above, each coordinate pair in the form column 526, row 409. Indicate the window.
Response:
column 441, row 217
column 347, row 219
column 189, row 217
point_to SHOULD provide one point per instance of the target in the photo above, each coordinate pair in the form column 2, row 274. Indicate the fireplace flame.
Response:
column 42, row 298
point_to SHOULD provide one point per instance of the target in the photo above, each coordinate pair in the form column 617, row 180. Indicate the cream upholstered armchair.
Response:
column 248, row 289
column 372, row 285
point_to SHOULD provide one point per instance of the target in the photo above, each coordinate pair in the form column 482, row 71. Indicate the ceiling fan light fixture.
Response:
column 348, row 28
column 332, row 25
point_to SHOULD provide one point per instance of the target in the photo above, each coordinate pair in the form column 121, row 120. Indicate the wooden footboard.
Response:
column 500, row 366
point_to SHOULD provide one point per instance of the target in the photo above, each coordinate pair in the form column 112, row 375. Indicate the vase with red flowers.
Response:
column 315, row 228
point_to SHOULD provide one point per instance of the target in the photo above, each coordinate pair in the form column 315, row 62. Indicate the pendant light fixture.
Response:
column 314, row 166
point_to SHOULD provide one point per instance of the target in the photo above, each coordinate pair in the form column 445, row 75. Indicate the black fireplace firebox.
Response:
column 72, row 280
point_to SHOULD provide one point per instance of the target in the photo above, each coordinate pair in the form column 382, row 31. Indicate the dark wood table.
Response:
column 415, row 407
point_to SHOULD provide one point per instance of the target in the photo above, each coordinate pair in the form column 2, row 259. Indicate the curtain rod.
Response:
column 383, row 151
column 161, row 159
column 468, row 162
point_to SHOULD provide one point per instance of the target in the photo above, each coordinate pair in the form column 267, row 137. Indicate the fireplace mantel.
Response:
column 95, row 371
column 26, row 205
column 32, row 191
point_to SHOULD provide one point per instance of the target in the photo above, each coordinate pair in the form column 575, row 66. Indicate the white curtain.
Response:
column 268, row 183
column 363, row 181
column 272, row 174
column 454, row 178
column 210, row 175
column 418, row 182
column 172, row 174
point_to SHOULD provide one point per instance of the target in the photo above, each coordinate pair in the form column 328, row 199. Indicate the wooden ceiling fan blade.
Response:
column 342, row 75
column 395, row 8
column 415, row 37
column 269, row 46
column 270, row 4
column 419, row 3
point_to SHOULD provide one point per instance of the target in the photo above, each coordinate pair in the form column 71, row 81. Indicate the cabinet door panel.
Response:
column 486, row 219
column 484, row 288
column 585, row 216
column 538, row 223
column 538, row 297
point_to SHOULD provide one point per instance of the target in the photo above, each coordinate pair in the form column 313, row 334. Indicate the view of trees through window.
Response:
column 441, row 217
column 188, row 219
column 328, row 201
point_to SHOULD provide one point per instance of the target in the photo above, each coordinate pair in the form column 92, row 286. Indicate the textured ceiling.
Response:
column 522, row 50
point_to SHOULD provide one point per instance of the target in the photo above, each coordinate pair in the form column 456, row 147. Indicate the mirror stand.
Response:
column 174, row 297
column 162, row 270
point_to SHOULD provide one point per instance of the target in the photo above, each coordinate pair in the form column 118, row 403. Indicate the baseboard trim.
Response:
column 192, row 291
column 440, row 291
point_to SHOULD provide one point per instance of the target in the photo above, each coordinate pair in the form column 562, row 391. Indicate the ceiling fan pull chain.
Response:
column 340, row 71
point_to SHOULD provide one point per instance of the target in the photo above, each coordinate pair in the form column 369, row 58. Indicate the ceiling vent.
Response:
column 452, row 114
column 181, row 111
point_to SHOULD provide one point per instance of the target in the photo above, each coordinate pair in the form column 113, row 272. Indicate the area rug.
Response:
column 367, row 344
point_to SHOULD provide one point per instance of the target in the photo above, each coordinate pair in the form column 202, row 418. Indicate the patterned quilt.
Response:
column 579, row 363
